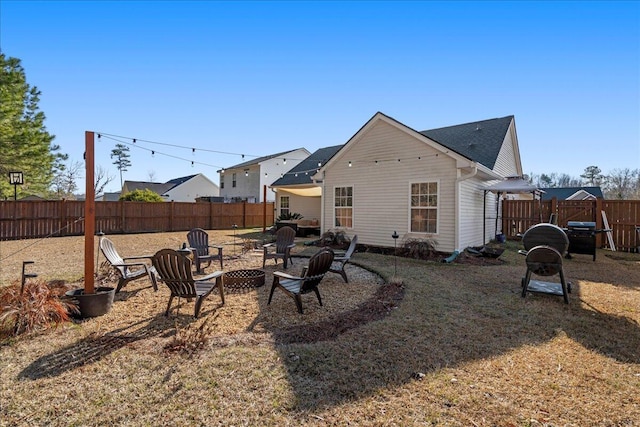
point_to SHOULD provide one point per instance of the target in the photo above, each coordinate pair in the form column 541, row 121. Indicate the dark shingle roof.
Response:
column 156, row 187
column 563, row 193
column 260, row 159
column 479, row 141
column 308, row 165
column 178, row 181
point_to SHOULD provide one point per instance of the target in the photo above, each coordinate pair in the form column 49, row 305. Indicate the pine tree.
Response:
column 122, row 162
column 25, row 144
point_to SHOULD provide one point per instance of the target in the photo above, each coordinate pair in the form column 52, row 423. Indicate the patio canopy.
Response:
column 512, row 185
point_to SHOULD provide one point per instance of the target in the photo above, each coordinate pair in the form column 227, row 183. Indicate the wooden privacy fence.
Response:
column 623, row 217
column 33, row 219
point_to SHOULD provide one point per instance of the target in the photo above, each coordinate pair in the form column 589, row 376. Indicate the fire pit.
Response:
column 243, row 280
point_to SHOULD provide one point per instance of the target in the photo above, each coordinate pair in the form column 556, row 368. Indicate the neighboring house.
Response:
column 246, row 181
column 430, row 184
column 572, row 193
column 184, row 189
column 297, row 192
column 111, row 197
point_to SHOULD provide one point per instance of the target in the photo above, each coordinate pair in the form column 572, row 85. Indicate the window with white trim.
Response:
column 424, row 207
column 221, row 182
column 343, row 207
column 233, row 180
column 284, row 205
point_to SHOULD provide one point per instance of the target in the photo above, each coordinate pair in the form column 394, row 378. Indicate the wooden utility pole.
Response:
column 264, row 209
column 89, row 214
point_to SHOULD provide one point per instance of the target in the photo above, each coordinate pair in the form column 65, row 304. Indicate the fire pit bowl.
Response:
column 243, row 280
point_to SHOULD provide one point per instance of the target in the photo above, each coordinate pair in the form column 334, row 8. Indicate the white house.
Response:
column 297, row 191
column 246, row 181
column 184, row 189
column 430, row 184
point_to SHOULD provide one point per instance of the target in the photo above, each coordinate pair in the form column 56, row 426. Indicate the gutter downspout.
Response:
column 459, row 180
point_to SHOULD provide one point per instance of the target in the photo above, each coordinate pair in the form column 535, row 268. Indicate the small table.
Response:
column 243, row 280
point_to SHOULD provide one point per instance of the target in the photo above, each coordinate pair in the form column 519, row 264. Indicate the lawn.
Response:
column 407, row 342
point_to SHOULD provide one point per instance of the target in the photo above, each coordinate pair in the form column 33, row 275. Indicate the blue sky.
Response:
column 257, row 78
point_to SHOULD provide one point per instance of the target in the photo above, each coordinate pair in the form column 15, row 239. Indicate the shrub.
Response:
column 289, row 216
column 39, row 306
column 420, row 248
column 190, row 339
column 145, row 195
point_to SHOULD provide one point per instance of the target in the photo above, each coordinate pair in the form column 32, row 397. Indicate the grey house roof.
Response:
column 563, row 193
column 156, row 187
column 178, row 181
column 303, row 171
column 260, row 159
column 479, row 141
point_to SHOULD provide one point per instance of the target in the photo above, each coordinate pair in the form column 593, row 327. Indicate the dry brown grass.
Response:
column 461, row 348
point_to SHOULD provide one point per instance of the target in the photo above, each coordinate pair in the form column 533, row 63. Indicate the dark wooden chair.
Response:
column 126, row 269
column 199, row 243
column 281, row 248
column 174, row 270
column 545, row 245
column 308, row 281
column 340, row 260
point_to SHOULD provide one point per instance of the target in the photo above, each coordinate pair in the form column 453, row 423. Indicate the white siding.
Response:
column 308, row 207
column 506, row 162
column 272, row 169
column 198, row 186
column 381, row 197
column 251, row 187
column 473, row 214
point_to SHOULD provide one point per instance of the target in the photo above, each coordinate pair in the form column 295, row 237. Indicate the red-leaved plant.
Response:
column 40, row 305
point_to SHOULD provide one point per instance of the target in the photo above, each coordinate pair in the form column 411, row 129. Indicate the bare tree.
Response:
column 64, row 182
column 102, row 179
column 622, row 184
column 152, row 175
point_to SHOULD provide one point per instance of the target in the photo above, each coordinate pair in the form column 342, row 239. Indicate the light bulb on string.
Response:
column 193, row 151
column 153, row 153
column 284, row 161
column 349, row 163
column 134, row 140
column 191, row 164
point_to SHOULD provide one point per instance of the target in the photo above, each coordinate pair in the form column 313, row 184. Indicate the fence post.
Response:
column 598, row 221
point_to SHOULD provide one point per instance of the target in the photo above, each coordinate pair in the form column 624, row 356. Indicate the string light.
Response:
column 349, row 163
column 284, row 161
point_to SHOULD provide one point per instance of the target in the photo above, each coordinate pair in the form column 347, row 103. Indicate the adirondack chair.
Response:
column 340, row 260
column 174, row 270
column 545, row 245
column 281, row 248
column 199, row 244
column 127, row 270
column 308, row 281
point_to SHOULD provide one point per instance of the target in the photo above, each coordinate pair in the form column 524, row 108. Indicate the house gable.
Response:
column 382, row 160
column 479, row 141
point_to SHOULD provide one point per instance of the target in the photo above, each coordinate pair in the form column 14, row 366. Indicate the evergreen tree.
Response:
column 592, row 176
column 122, row 162
column 25, row 144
